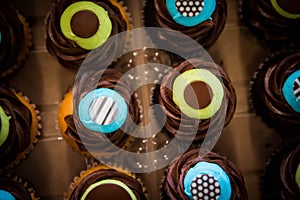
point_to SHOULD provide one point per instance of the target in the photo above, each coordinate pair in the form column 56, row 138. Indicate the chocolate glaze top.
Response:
column 12, row 33
column 267, row 96
column 104, row 174
column 68, row 53
column 173, row 184
column 20, row 122
column 18, row 190
column 109, row 79
column 165, row 99
column 264, row 20
column 205, row 33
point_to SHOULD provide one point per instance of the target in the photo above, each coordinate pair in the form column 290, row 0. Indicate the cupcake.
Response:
column 19, row 127
column 276, row 21
column 15, row 39
column 275, row 93
column 14, row 188
column 106, row 183
column 281, row 176
column 210, row 177
column 201, row 20
column 105, row 117
column 196, row 96
column 74, row 28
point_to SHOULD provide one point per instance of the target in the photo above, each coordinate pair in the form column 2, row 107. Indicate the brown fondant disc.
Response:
column 197, row 94
column 84, row 23
column 108, row 191
column 291, row 6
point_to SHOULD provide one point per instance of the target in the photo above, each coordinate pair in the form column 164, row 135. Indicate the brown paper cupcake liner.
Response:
column 93, row 166
column 35, row 128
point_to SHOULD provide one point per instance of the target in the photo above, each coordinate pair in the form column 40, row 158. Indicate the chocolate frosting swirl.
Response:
column 173, row 186
column 18, row 138
column 109, row 79
column 174, row 117
column 205, row 33
column 267, row 23
column 267, row 96
column 15, row 188
column 104, row 174
column 12, row 33
column 68, row 53
column 278, row 180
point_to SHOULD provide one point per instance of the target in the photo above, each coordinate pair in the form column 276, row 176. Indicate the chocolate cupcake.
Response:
column 276, row 21
column 196, row 96
column 19, row 127
column 201, row 20
column 74, row 28
column 14, row 188
column 15, row 39
column 210, row 177
column 274, row 92
column 106, row 115
column 106, row 183
column 281, row 176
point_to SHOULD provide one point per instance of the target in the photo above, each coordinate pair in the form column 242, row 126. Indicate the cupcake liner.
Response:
column 93, row 166
column 25, row 50
column 27, row 184
column 35, row 128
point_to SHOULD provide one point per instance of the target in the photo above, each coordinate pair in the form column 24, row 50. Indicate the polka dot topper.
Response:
column 190, row 12
column 205, row 186
column 207, row 181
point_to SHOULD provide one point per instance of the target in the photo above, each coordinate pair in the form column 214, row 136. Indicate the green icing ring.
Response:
column 283, row 12
column 297, row 176
column 102, row 33
column 109, row 181
column 205, row 76
column 4, row 131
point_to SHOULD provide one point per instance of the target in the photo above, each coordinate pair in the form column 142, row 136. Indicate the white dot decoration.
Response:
column 189, row 8
column 205, row 186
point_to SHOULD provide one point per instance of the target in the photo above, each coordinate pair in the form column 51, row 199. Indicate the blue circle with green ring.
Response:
column 205, row 14
column 4, row 195
column 212, row 169
column 288, row 91
column 86, row 102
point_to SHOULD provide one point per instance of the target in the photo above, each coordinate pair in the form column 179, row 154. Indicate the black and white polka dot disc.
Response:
column 205, row 187
column 296, row 88
column 189, row 8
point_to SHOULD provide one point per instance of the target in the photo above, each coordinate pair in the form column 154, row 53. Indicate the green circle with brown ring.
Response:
column 104, row 29
column 284, row 13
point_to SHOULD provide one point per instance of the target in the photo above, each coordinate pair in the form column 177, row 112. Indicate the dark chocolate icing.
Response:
column 165, row 99
column 267, row 96
column 80, row 19
column 109, row 79
column 104, row 174
column 16, row 188
column 68, row 53
column 278, row 179
column 261, row 17
column 205, row 33
column 173, row 186
column 12, row 33
column 19, row 136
